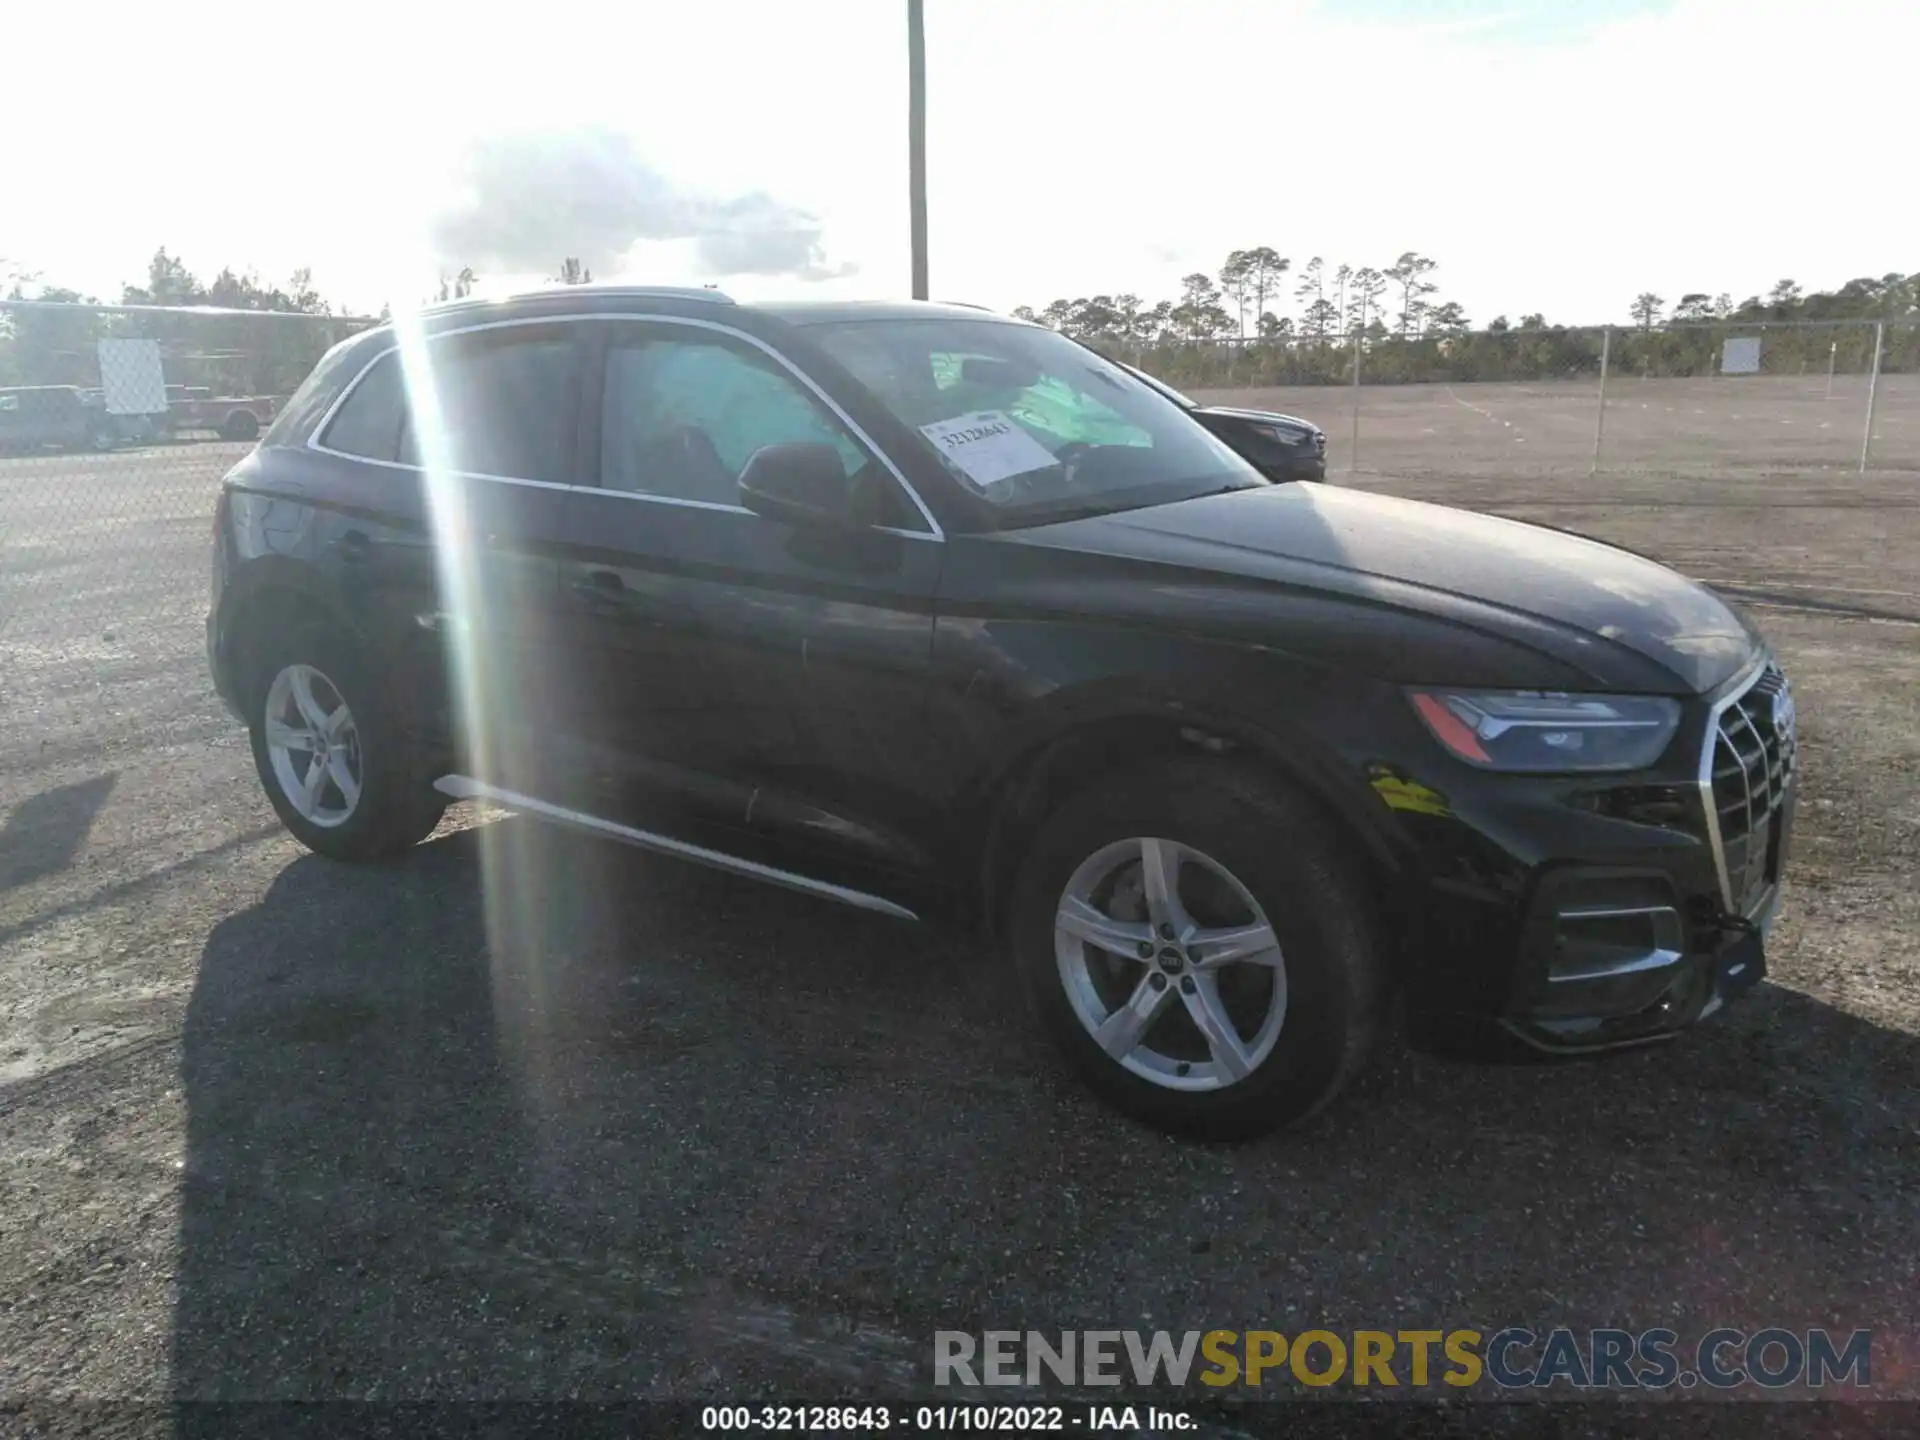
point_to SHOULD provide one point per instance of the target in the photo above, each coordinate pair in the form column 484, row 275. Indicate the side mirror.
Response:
column 801, row 482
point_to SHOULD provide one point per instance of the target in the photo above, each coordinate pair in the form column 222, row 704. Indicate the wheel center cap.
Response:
column 1173, row 960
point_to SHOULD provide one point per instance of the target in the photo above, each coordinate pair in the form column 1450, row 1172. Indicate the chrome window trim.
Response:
column 933, row 532
column 1735, row 693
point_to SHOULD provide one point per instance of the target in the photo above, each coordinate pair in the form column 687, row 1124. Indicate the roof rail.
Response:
column 657, row 292
column 660, row 292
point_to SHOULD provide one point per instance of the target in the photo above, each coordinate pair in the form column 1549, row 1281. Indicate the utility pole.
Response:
column 917, row 143
column 1600, row 412
column 1873, row 392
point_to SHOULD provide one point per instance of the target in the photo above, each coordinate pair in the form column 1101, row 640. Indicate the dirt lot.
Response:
column 275, row 1128
column 1739, row 425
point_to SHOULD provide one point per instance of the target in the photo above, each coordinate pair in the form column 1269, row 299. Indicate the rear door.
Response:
column 760, row 677
column 483, row 433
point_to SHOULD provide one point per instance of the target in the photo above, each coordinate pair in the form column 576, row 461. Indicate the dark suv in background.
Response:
column 939, row 614
column 1281, row 447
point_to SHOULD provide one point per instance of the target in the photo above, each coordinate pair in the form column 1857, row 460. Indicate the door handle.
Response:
column 601, row 587
column 353, row 548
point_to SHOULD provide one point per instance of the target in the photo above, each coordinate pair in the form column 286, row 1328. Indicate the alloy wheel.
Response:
column 1170, row 964
column 313, row 745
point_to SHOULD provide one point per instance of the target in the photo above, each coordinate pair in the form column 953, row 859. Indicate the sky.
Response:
column 1551, row 155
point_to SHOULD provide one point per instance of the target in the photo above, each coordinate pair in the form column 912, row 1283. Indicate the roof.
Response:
column 829, row 312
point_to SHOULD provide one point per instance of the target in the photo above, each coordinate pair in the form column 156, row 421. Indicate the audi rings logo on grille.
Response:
column 1783, row 711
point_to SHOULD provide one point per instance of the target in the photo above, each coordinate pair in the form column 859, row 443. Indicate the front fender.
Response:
column 1064, row 703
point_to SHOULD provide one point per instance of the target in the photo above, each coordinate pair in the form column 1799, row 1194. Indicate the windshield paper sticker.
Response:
column 987, row 447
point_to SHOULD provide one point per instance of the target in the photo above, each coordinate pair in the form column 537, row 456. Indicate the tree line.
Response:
column 1397, row 299
column 1227, row 329
column 1230, row 328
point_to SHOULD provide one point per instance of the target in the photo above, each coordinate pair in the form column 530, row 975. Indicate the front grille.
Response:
column 1751, row 767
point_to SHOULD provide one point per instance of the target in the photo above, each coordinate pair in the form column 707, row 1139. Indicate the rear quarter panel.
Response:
column 350, row 545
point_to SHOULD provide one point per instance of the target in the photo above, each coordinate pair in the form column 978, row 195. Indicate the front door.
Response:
column 767, row 678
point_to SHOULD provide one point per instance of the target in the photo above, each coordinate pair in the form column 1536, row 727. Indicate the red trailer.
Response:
column 231, row 417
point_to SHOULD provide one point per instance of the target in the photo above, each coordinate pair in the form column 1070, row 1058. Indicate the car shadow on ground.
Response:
column 44, row 832
column 530, row 1115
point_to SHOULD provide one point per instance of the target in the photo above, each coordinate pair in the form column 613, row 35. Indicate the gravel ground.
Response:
column 1699, row 427
column 527, row 1117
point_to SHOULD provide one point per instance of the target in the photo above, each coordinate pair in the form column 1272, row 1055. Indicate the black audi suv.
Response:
column 1281, row 447
column 943, row 615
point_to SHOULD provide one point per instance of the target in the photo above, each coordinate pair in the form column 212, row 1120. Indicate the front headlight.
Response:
column 1284, row 435
column 1545, row 730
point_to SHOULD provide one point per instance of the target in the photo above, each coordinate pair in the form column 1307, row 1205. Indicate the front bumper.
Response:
column 1585, row 916
column 1652, row 1003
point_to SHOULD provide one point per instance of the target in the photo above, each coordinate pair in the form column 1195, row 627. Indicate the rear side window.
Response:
column 368, row 424
column 311, row 400
column 503, row 403
column 508, row 402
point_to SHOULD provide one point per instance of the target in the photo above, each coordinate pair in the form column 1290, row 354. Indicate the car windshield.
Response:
column 1040, row 428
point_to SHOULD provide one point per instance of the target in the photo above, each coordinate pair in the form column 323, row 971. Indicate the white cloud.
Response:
column 1075, row 147
column 526, row 199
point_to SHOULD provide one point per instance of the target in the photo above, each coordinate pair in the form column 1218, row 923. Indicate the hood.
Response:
column 1262, row 417
column 1618, row 618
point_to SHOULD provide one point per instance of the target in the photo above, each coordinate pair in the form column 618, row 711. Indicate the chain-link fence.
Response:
column 116, row 424
column 1824, row 395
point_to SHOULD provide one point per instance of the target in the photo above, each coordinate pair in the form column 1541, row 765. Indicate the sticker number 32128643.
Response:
column 986, row 446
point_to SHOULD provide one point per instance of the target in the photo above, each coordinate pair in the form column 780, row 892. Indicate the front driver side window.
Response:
column 681, row 418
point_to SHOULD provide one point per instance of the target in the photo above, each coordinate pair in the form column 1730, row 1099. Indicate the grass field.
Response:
column 271, row 1127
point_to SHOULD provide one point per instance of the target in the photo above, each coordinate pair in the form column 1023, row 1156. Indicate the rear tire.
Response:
column 313, row 703
column 241, row 425
column 1250, row 862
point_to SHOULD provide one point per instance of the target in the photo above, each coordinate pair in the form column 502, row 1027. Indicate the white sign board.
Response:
column 1740, row 355
column 986, row 446
column 131, row 377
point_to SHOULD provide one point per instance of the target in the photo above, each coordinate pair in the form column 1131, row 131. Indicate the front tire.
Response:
column 1197, row 940
column 332, row 756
